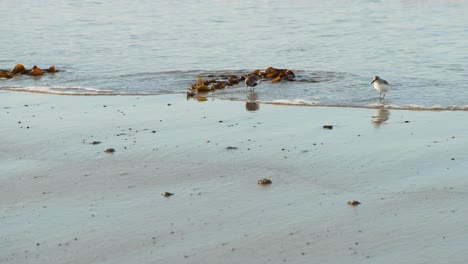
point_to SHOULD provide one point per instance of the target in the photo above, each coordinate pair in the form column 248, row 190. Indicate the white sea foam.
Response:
column 291, row 102
column 417, row 107
column 62, row 90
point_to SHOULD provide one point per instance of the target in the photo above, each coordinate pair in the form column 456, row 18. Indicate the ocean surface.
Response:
column 161, row 47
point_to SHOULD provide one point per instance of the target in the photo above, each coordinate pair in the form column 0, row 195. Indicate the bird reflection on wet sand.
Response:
column 380, row 116
column 251, row 103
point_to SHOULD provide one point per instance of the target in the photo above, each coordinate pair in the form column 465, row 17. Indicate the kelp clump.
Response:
column 20, row 69
column 224, row 81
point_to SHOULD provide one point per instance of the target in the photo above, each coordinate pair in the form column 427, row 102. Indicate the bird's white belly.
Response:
column 381, row 87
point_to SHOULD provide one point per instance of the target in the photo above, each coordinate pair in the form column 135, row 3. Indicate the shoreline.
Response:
column 292, row 103
column 65, row 200
column 286, row 102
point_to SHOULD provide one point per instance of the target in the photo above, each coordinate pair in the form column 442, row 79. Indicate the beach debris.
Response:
column 264, row 181
column 110, row 150
column 200, row 86
column 354, row 203
column 167, row 194
column 20, row 69
column 95, row 143
column 35, row 71
column 328, row 127
column 51, row 69
column 223, row 81
column 4, row 74
column 406, row 121
column 231, row 148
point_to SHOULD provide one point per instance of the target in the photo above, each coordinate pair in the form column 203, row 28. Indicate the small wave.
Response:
column 403, row 107
column 60, row 90
column 302, row 102
column 426, row 108
column 291, row 102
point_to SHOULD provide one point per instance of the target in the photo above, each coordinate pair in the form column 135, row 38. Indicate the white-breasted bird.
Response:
column 381, row 85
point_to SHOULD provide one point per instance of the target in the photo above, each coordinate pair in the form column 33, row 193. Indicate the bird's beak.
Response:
column 372, row 82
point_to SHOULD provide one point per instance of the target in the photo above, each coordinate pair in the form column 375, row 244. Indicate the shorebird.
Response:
column 381, row 85
column 251, row 81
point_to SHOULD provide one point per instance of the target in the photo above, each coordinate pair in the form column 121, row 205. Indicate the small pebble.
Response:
column 354, row 203
column 264, row 181
column 167, row 194
column 110, row 150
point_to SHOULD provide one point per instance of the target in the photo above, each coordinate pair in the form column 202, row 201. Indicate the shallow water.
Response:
column 160, row 47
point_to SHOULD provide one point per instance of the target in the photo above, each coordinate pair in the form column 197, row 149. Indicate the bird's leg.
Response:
column 383, row 96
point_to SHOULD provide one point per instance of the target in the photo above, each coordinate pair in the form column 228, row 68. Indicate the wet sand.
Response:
column 65, row 200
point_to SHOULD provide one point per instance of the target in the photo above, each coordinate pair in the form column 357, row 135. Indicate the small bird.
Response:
column 251, row 81
column 381, row 85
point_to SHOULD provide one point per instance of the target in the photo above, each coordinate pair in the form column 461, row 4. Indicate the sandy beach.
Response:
column 65, row 200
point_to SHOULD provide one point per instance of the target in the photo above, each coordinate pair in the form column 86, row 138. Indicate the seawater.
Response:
column 161, row 47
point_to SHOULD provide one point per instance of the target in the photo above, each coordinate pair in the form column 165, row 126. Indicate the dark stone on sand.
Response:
column 354, row 203
column 110, row 150
column 264, row 181
column 406, row 121
column 231, row 147
column 328, row 127
column 95, row 142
